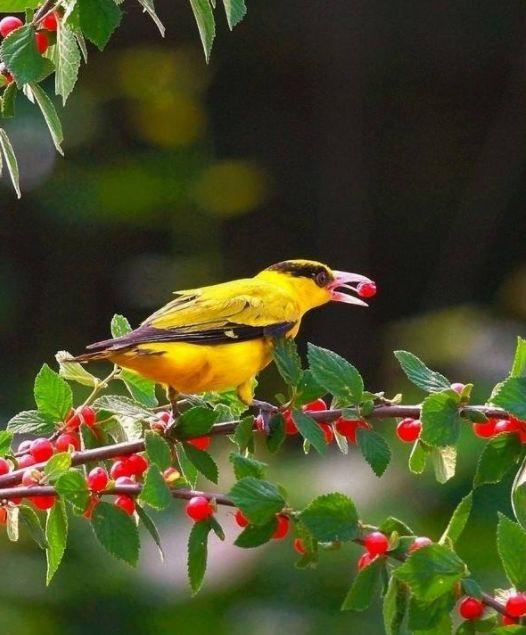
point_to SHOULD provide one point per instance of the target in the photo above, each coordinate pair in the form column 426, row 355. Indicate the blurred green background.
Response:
column 382, row 138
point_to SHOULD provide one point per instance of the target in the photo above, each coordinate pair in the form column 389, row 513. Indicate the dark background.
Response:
column 382, row 138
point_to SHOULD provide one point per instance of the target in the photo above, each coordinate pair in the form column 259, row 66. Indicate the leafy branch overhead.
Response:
column 116, row 460
column 51, row 42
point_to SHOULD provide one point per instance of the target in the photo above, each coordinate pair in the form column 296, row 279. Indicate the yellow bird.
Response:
column 220, row 337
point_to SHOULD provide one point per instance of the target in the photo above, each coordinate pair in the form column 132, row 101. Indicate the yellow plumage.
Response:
column 220, row 337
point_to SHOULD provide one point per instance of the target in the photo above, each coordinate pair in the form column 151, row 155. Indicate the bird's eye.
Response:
column 322, row 278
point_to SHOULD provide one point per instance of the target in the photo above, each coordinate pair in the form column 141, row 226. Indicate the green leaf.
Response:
column 374, row 449
column 149, row 8
column 6, row 437
column 308, row 390
column 116, row 532
column 30, row 519
column 431, row 571
column 396, row 601
column 10, row 159
column 310, row 430
column 17, row 6
column 258, row 500
column 8, row 100
column 57, row 465
column 140, row 388
column 244, row 434
column 245, row 466
column 365, row 587
column 336, row 375
column 518, row 495
column 122, row 406
column 73, row 488
column 519, row 361
column 119, row 326
column 31, row 422
column 50, row 115
column 276, row 434
column 155, row 492
column 499, row 455
column 188, row 469
column 151, row 529
column 444, row 462
column 471, row 588
column 458, row 520
column 440, row 418
column 20, row 54
column 287, row 360
column 256, row 535
column 73, row 371
column 418, row 457
column 195, row 422
column 511, row 545
column 392, row 524
column 511, row 395
column 97, row 20
column 235, row 11
column 197, row 554
column 56, row 538
column 419, row 374
column 67, row 61
column 53, row 394
column 204, row 463
column 431, row 615
column 331, row 517
column 205, row 23
column 513, row 629
column 158, row 450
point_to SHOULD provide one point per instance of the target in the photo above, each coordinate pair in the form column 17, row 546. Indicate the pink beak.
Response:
column 342, row 281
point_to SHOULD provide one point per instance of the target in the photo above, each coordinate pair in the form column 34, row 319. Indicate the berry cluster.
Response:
column 164, row 420
column 492, row 427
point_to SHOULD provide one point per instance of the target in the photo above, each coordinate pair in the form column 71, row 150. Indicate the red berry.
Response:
column 507, row 425
column 24, row 446
column 5, row 467
column 366, row 289
column 471, row 608
column 8, row 24
column 458, row 387
column 8, row 77
column 315, row 406
column 348, row 427
column 120, row 468
column 260, row 423
column 365, row 560
column 299, row 546
column 201, row 443
column 137, row 464
column 507, row 621
column 124, row 480
column 126, row 503
column 282, row 528
column 41, row 42
column 31, row 476
column 43, row 502
column 486, row 429
column 16, row 501
column 41, row 449
column 26, row 460
column 49, row 22
column 85, row 415
column 165, row 416
column 290, row 426
column 376, row 543
column 171, row 475
column 241, row 520
column 418, row 543
column 328, row 432
column 98, row 479
column 199, row 508
column 3, row 515
column 65, row 440
column 516, row 605
column 408, row 430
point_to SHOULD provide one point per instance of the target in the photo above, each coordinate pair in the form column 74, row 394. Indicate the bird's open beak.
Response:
column 343, row 280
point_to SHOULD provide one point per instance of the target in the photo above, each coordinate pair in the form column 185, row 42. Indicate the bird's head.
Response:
column 314, row 283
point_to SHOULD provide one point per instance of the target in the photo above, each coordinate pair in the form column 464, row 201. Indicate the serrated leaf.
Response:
column 277, row 433
column 419, row 374
column 197, row 554
column 31, row 422
column 308, row 389
column 72, row 487
column 30, row 519
column 116, row 532
column 511, row 395
column 365, row 587
column 56, row 538
column 158, row 450
column 149, row 8
column 444, row 462
column 235, row 11
column 472, row 588
column 287, row 360
column 497, row 458
column 519, row 361
column 245, row 466
column 204, row 18
column 256, row 535
column 73, row 371
column 97, row 20
column 6, row 437
column 336, row 375
column 395, row 604
column 244, row 434
column 259, row 500
column 50, row 115
column 20, row 54
column 8, row 100
column 440, row 418
column 122, row 406
column 57, row 465
column 188, row 469
column 67, row 61
column 431, row 616
column 511, row 545
column 331, row 517
column 458, row 520
column 119, row 326
column 155, row 492
column 204, row 463
column 431, row 571
column 392, row 524
column 374, row 449
column 10, row 160
column 151, row 529
column 310, row 431
column 195, row 422
column 140, row 388
column 53, row 394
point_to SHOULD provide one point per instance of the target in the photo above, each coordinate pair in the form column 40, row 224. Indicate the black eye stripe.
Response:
column 304, row 270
